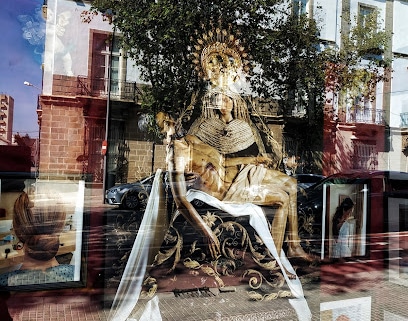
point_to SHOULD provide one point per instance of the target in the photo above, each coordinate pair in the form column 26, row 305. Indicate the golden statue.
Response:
column 225, row 149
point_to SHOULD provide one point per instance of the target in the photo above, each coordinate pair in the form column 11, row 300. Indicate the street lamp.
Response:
column 39, row 114
column 31, row 85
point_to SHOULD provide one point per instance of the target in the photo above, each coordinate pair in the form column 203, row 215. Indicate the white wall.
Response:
column 396, row 160
column 400, row 39
column 399, row 90
column 67, row 41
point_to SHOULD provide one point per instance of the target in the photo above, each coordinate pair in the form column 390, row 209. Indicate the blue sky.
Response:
column 22, row 45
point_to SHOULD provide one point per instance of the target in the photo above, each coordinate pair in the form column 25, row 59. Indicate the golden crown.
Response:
column 222, row 46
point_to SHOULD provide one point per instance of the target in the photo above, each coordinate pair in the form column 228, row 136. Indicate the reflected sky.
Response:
column 22, row 38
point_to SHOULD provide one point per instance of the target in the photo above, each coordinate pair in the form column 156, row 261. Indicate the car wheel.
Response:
column 130, row 201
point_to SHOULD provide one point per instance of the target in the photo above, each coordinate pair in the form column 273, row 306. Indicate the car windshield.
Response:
column 309, row 178
column 148, row 179
column 331, row 180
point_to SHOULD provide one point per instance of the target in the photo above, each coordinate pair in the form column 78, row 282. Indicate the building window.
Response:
column 107, row 57
column 365, row 156
column 404, row 120
column 300, row 7
column 364, row 11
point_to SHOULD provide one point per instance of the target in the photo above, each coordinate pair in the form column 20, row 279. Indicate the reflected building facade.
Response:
column 87, row 78
column 6, row 119
column 91, row 94
column 91, row 98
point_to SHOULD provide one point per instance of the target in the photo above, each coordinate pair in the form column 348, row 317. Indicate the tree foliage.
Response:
column 355, row 69
column 294, row 68
column 159, row 36
column 23, row 140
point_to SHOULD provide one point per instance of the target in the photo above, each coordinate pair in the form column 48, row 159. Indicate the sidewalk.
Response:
column 388, row 302
column 57, row 309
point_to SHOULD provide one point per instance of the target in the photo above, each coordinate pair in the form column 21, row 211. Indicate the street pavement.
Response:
column 362, row 295
column 359, row 291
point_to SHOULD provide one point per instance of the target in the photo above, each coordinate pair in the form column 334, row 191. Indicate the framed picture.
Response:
column 41, row 244
column 344, row 221
column 398, row 240
column 346, row 310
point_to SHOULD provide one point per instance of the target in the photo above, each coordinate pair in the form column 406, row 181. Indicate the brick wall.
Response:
column 63, row 129
column 141, row 149
column 140, row 159
column 64, row 85
column 61, row 137
column 160, row 157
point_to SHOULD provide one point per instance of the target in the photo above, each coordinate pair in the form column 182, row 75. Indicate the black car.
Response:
column 133, row 196
column 306, row 180
column 130, row 195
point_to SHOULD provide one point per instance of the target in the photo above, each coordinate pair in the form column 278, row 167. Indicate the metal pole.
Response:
column 107, row 120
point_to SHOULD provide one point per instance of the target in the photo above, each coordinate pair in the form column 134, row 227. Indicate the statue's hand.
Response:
column 213, row 245
column 263, row 160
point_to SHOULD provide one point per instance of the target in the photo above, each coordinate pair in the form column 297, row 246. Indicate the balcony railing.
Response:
column 99, row 87
column 362, row 115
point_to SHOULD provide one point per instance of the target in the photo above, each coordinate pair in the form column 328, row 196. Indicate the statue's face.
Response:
column 222, row 102
column 227, row 105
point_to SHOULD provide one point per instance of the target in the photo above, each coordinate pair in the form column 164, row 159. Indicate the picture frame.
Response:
column 18, row 270
column 350, row 240
column 397, row 220
column 345, row 310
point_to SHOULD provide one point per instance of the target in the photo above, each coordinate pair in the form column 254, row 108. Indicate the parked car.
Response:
column 373, row 191
column 306, row 180
column 130, row 195
column 133, row 196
